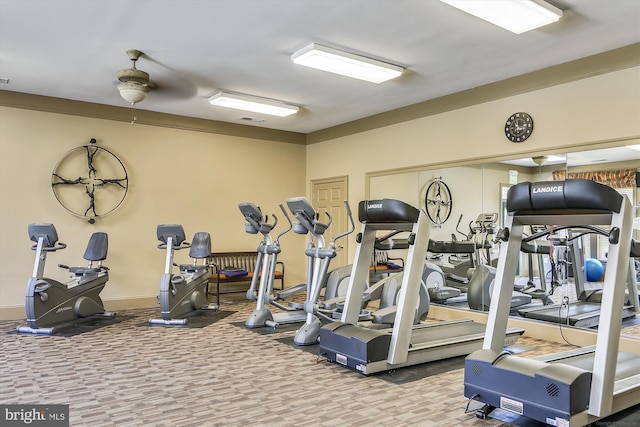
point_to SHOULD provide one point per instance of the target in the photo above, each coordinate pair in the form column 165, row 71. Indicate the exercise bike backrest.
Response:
column 200, row 246
column 308, row 221
column 97, row 248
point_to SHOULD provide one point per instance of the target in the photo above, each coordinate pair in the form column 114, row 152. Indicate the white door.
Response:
column 328, row 195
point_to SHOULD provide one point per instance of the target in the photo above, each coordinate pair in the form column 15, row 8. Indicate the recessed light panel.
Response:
column 516, row 16
column 252, row 103
column 344, row 63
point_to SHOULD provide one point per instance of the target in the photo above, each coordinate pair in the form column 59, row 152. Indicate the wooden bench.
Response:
column 381, row 264
column 243, row 260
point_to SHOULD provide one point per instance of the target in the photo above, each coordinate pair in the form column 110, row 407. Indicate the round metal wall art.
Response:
column 438, row 202
column 90, row 181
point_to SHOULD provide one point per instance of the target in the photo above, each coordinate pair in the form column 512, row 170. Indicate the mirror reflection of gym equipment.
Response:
column 478, row 184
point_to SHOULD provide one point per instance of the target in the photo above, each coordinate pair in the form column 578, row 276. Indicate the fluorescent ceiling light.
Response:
column 516, row 16
column 346, row 64
column 555, row 158
column 252, row 103
column 634, row 147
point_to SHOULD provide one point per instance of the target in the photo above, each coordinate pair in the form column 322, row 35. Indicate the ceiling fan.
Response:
column 134, row 83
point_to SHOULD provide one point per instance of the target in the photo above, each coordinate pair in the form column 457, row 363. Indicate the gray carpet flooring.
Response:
column 129, row 374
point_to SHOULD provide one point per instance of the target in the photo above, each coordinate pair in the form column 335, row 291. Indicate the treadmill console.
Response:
column 387, row 210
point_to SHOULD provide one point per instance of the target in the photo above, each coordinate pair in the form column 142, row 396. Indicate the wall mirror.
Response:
column 478, row 191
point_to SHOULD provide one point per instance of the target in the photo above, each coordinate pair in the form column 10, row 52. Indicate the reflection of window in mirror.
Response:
column 503, row 203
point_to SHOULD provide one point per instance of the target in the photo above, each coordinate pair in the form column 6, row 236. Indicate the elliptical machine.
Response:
column 262, row 293
column 51, row 305
column 482, row 281
column 184, row 293
column 319, row 257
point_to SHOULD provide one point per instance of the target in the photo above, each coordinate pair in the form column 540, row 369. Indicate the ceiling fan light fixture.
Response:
column 252, row 103
column 134, row 83
column 133, row 92
column 133, row 75
column 344, row 63
column 517, row 16
column 539, row 160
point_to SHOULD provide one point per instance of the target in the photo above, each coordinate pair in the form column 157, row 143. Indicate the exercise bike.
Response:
column 51, row 305
column 184, row 293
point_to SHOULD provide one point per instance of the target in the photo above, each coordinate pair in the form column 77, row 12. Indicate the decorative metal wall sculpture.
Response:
column 437, row 201
column 90, row 181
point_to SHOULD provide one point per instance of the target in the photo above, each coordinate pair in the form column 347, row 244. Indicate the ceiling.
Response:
column 582, row 158
column 73, row 49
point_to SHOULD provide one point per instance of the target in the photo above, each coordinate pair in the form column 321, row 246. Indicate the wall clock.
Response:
column 518, row 127
column 437, row 201
column 90, row 181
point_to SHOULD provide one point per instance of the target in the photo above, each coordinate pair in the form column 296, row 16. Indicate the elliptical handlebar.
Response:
column 318, row 227
column 353, row 225
column 458, row 225
column 265, row 227
column 286, row 215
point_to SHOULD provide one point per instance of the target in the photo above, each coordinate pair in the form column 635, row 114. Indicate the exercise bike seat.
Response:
column 200, row 249
column 200, row 246
column 97, row 249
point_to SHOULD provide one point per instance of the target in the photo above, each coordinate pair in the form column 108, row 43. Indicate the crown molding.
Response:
column 607, row 62
column 143, row 117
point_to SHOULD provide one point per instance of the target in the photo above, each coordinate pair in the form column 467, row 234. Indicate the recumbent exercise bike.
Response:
column 51, row 305
column 184, row 293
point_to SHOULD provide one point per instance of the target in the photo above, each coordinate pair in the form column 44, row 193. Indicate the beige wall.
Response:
column 176, row 176
column 198, row 178
column 596, row 111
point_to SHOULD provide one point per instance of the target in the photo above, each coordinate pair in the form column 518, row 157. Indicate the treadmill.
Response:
column 585, row 312
column 576, row 387
column 369, row 350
